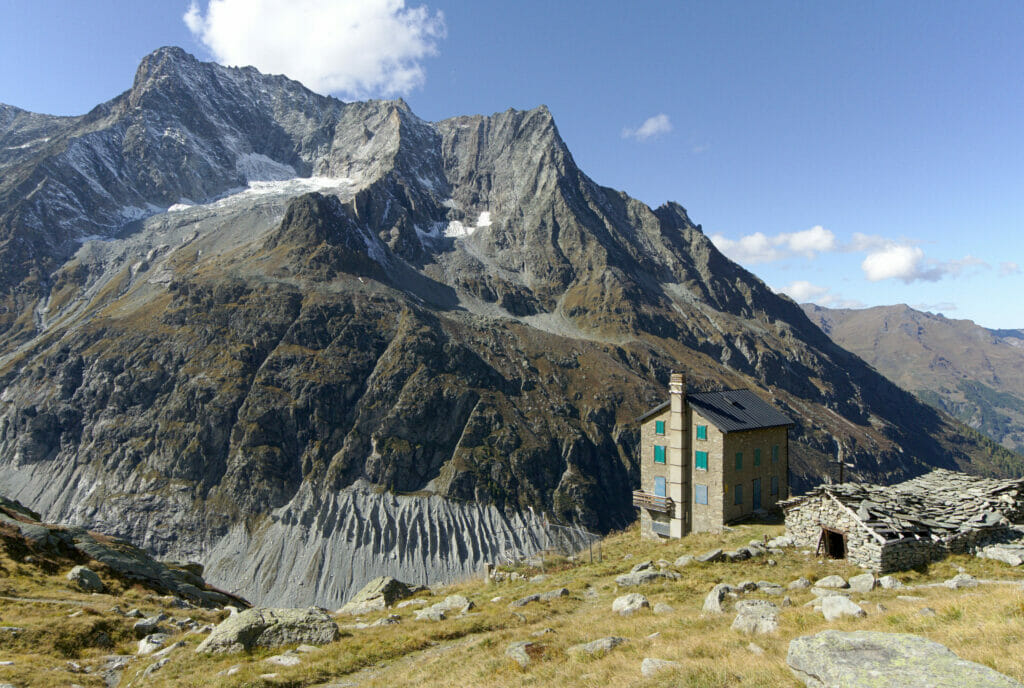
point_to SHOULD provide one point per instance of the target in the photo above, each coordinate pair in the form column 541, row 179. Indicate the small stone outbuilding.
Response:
column 888, row 528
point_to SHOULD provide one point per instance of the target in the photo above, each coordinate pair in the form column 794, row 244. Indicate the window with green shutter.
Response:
column 739, row 495
column 757, row 457
column 659, row 454
column 739, row 461
column 702, row 460
column 659, row 427
column 775, row 453
column 775, row 485
column 702, row 432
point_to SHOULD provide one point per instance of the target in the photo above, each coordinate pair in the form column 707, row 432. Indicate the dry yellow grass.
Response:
column 984, row 624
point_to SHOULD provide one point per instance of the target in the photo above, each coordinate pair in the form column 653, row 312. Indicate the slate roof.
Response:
column 733, row 410
column 938, row 506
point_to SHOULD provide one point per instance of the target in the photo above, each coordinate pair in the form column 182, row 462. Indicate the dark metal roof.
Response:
column 731, row 410
column 734, row 410
column 657, row 409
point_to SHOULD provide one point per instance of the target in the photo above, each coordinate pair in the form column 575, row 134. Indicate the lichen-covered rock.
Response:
column 713, row 600
column 600, row 645
column 85, row 579
column 630, row 604
column 832, row 582
column 863, row 583
column 837, row 606
column 263, row 627
column 756, row 617
column 380, row 593
column 643, row 576
column 871, row 658
column 651, row 666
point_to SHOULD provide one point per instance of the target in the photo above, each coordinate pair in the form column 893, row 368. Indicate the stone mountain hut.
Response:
column 709, row 458
column 896, row 527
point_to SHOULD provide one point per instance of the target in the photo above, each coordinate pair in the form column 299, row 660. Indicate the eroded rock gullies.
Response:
column 322, row 549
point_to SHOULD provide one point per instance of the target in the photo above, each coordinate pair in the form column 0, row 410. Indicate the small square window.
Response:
column 659, row 427
column 702, row 432
column 659, row 454
column 775, row 453
column 739, row 461
column 775, row 485
column 702, row 460
column 757, row 457
column 659, row 487
column 739, row 494
column 700, row 494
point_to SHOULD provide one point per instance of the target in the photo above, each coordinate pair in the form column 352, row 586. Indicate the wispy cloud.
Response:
column 1009, row 268
column 803, row 291
column 652, row 127
column 938, row 308
column 353, row 47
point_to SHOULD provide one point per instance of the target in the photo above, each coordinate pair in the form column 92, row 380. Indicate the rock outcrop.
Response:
column 866, row 658
column 262, row 627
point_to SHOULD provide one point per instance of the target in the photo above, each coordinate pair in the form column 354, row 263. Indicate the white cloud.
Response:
column 751, row 249
column 895, row 262
column 803, row 291
column 809, row 242
column 355, row 47
column 759, row 248
column 1009, row 268
column 653, row 126
column 908, row 264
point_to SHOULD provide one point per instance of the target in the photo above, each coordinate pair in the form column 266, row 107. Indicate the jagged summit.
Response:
column 235, row 313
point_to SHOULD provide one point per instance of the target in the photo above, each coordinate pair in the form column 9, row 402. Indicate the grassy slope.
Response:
column 984, row 624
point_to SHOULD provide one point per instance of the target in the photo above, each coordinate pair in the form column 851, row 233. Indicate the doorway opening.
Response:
column 834, row 542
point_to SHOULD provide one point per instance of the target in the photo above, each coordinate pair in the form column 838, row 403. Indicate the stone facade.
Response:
column 703, row 492
column 898, row 527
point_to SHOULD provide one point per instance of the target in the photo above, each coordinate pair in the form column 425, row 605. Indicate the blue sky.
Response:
column 849, row 153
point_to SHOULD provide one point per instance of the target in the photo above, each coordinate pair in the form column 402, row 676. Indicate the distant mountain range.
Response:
column 971, row 372
column 310, row 342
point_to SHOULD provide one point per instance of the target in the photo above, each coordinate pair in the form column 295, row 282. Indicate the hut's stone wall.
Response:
column 805, row 521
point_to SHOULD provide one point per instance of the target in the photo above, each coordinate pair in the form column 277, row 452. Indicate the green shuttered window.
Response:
column 739, row 461
column 702, row 460
column 702, row 432
column 659, row 427
column 775, row 453
column 659, row 454
column 757, row 457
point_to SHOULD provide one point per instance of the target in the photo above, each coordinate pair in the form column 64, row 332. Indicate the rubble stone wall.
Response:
column 804, row 523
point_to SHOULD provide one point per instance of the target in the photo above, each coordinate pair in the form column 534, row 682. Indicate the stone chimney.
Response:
column 677, row 390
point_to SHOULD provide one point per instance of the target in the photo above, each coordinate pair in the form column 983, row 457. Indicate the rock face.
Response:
column 835, row 607
column 261, row 627
column 237, row 318
column 869, row 658
column 756, row 617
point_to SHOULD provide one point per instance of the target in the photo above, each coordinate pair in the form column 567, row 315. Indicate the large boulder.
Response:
column 377, row 595
column 871, row 658
column 630, row 604
column 262, row 627
column 713, row 600
column 836, row 607
column 644, row 576
column 597, row 646
column 85, row 579
column 756, row 617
